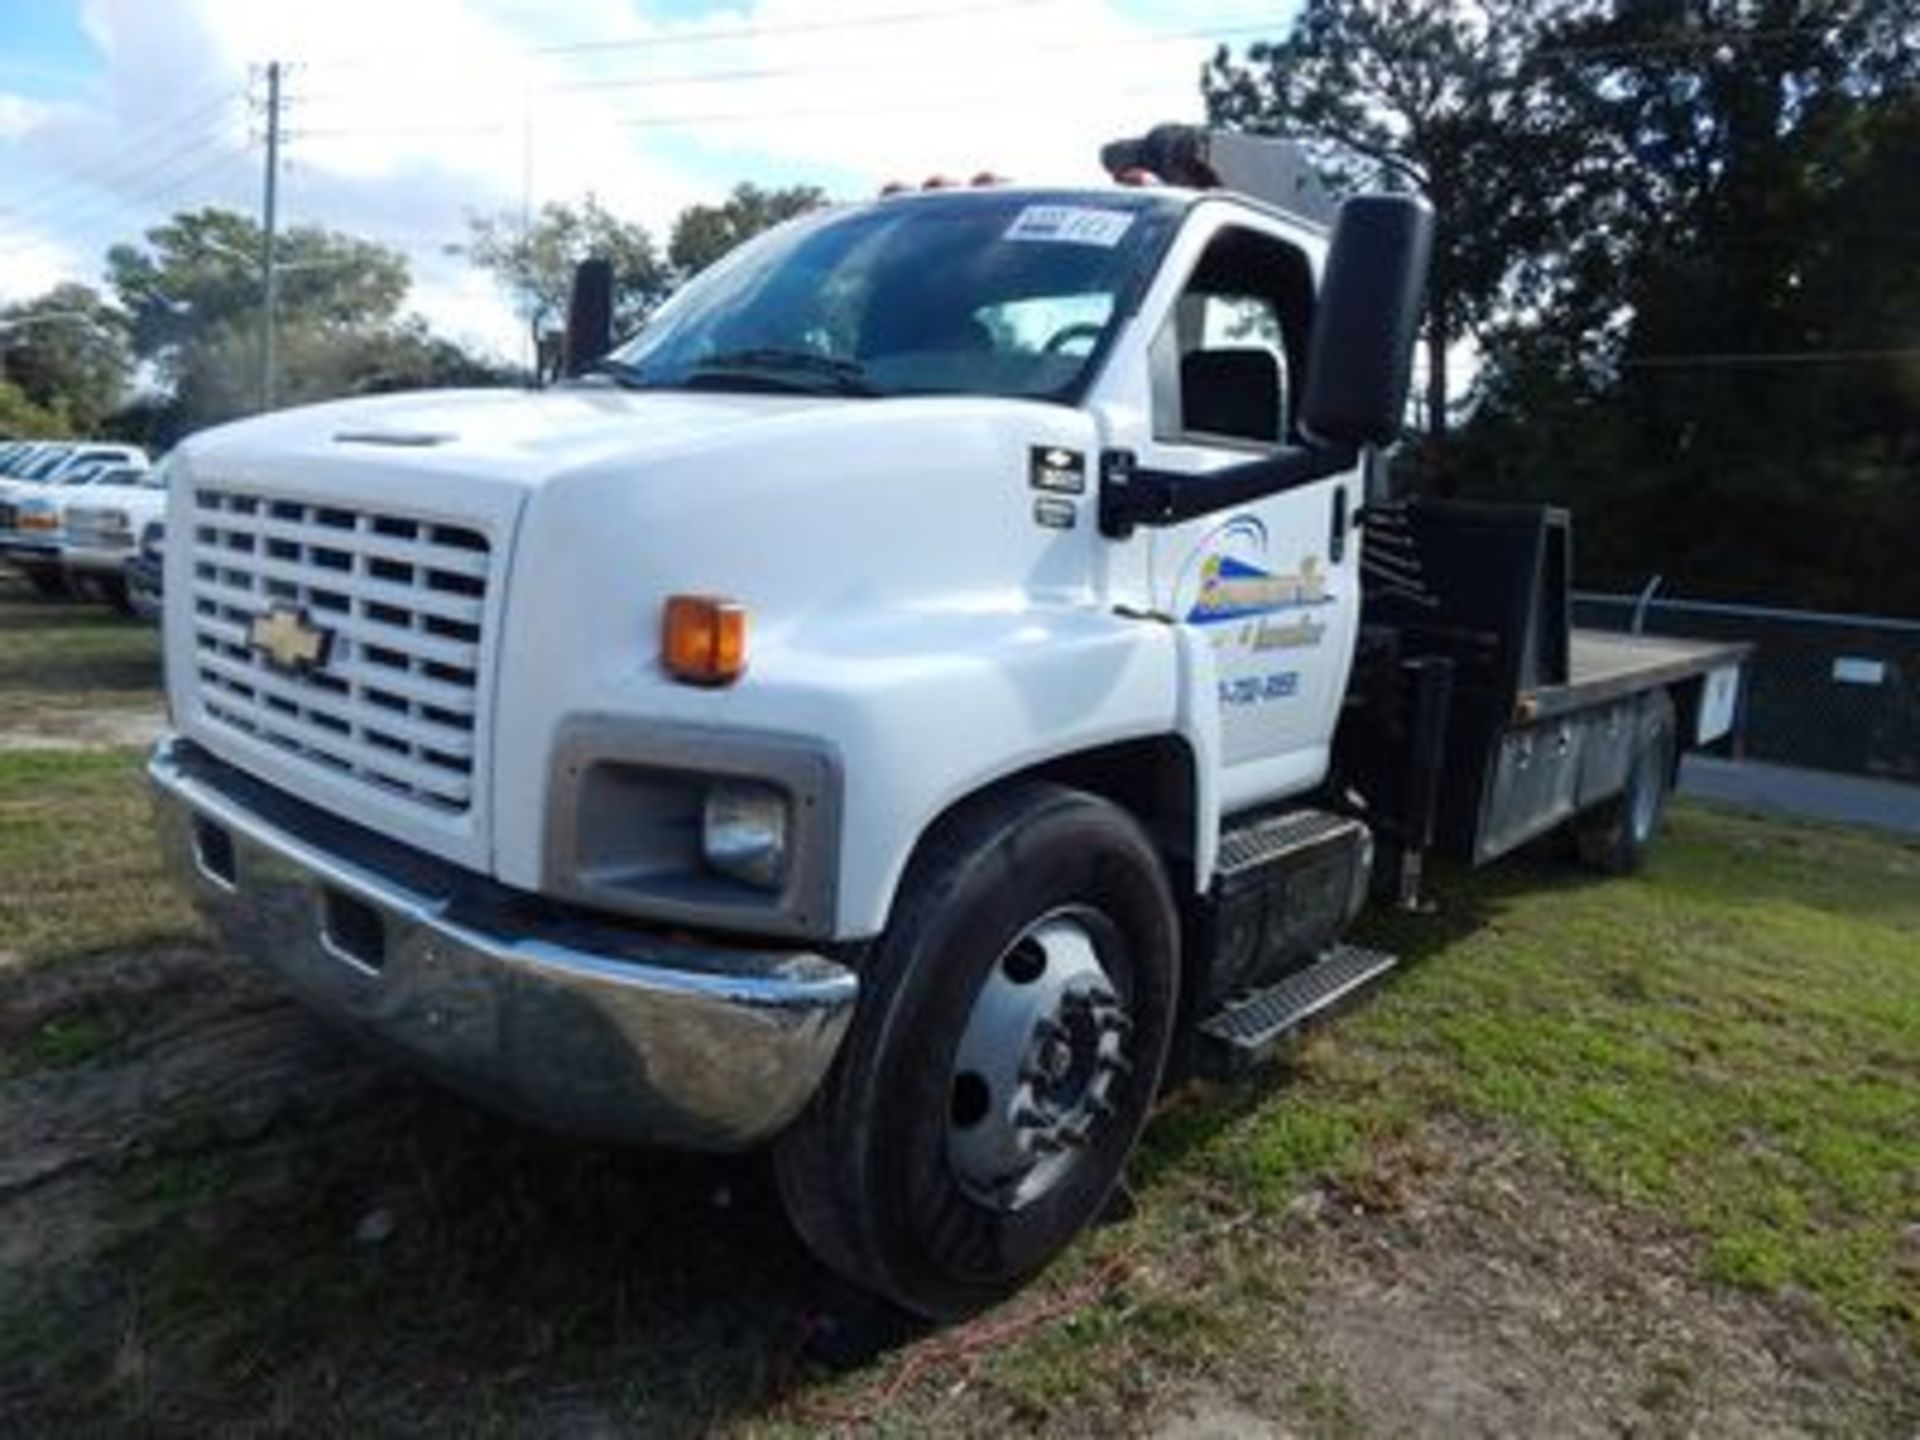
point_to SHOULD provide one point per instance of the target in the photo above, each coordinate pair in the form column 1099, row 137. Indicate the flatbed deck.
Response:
column 1603, row 666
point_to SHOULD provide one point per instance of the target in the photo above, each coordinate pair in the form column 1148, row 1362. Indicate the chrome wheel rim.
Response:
column 1645, row 812
column 1033, row 1076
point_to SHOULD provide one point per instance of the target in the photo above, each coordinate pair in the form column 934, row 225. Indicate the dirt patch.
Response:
column 85, row 730
column 1477, row 1288
column 204, row 1054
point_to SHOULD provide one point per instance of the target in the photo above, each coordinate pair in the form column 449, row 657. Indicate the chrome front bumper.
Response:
column 96, row 559
column 595, row 1028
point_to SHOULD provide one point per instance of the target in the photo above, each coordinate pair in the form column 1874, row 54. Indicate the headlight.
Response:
column 743, row 832
column 100, row 527
column 38, row 519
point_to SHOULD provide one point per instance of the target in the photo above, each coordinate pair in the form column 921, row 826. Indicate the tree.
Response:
column 1442, row 99
column 534, row 262
column 66, row 354
column 20, row 418
column 703, row 233
column 193, row 298
column 1726, row 373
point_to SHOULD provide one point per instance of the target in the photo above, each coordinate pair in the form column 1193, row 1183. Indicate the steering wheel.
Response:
column 1068, row 335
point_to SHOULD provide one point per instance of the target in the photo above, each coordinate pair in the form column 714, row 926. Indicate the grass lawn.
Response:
column 1724, row 1050
column 61, row 660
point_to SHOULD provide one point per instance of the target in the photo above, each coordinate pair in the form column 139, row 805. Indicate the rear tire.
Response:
column 1013, row 1025
column 1615, row 837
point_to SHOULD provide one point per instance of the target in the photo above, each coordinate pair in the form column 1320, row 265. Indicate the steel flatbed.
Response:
column 1603, row 666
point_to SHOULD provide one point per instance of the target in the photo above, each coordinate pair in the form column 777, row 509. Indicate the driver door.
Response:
column 1267, row 592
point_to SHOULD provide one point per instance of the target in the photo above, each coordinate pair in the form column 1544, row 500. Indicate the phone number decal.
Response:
column 1259, row 689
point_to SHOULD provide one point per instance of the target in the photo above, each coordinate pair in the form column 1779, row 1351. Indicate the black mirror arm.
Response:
column 1130, row 496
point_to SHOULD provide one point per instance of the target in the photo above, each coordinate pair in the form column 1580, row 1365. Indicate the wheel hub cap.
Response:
column 1034, row 1073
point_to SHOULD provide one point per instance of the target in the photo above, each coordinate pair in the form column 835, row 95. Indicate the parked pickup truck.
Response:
column 960, row 658
column 102, row 528
column 34, row 501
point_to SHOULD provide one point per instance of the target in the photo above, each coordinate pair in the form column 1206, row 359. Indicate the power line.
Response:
column 800, row 27
column 71, row 223
column 631, row 81
column 130, row 160
column 885, row 19
column 1705, row 40
column 269, row 212
column 1777, row 357
column 891, row 106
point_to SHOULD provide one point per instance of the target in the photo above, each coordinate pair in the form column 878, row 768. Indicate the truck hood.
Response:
column 524, row 435
column 828, row 517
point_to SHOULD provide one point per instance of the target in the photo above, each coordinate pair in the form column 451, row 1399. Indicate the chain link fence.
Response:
column 1829, row 692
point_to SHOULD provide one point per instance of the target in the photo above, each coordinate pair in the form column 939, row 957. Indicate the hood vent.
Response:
column 411, row 439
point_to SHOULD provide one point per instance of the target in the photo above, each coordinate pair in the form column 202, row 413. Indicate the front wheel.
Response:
column 1013, row 1025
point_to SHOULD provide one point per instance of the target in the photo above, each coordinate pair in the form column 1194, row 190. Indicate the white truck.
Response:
column 102, row 527
column 960, row 659
column 33, row 512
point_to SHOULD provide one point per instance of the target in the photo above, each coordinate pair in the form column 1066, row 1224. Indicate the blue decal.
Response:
column 1234, row 583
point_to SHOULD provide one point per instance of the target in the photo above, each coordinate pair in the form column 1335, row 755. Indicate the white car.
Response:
column 53, row 460
column 33, row 520
column 91, row 453
column 15, row 454
column 103, row 523
column 25, row 466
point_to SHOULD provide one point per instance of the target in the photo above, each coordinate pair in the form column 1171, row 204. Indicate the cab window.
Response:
column 1227, row 361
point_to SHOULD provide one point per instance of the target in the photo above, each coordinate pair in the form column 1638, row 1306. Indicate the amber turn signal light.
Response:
column 703, row 639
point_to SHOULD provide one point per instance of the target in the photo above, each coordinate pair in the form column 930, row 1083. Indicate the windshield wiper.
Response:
column 798, row 369
column 628, row 377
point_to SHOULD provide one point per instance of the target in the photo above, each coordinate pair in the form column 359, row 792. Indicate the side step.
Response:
column 1247, row 1030
column 1253, row 844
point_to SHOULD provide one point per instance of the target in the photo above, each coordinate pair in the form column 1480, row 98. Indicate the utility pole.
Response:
column 269, row 275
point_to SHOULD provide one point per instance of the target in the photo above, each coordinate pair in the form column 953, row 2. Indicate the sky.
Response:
column 403, row 117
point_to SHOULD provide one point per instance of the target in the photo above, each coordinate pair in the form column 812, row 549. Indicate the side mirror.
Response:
column 1366, row 321
column 589, row 314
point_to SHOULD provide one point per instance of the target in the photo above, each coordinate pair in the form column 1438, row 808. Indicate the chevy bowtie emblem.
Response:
column 289, row 641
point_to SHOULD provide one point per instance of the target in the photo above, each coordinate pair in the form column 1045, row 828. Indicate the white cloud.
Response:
column 20, row 114
column 405, row 115
column 34, row 264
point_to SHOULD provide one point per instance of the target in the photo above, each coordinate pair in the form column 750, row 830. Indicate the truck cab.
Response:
column 887, row 710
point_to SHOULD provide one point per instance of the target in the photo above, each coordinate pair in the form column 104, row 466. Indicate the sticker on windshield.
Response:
column 1070, row 225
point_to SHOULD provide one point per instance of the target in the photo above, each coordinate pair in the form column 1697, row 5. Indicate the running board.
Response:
column 1247, row 1030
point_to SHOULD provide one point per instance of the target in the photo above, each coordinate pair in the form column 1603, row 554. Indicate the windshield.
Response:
column 45, row 464
column 971, row 293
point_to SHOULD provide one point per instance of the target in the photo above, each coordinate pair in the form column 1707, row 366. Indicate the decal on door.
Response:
column 1230, row 578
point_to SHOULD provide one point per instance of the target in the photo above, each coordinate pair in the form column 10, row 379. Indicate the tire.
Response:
column 1614, row 838
column 113, row 590
column 1028, row 905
